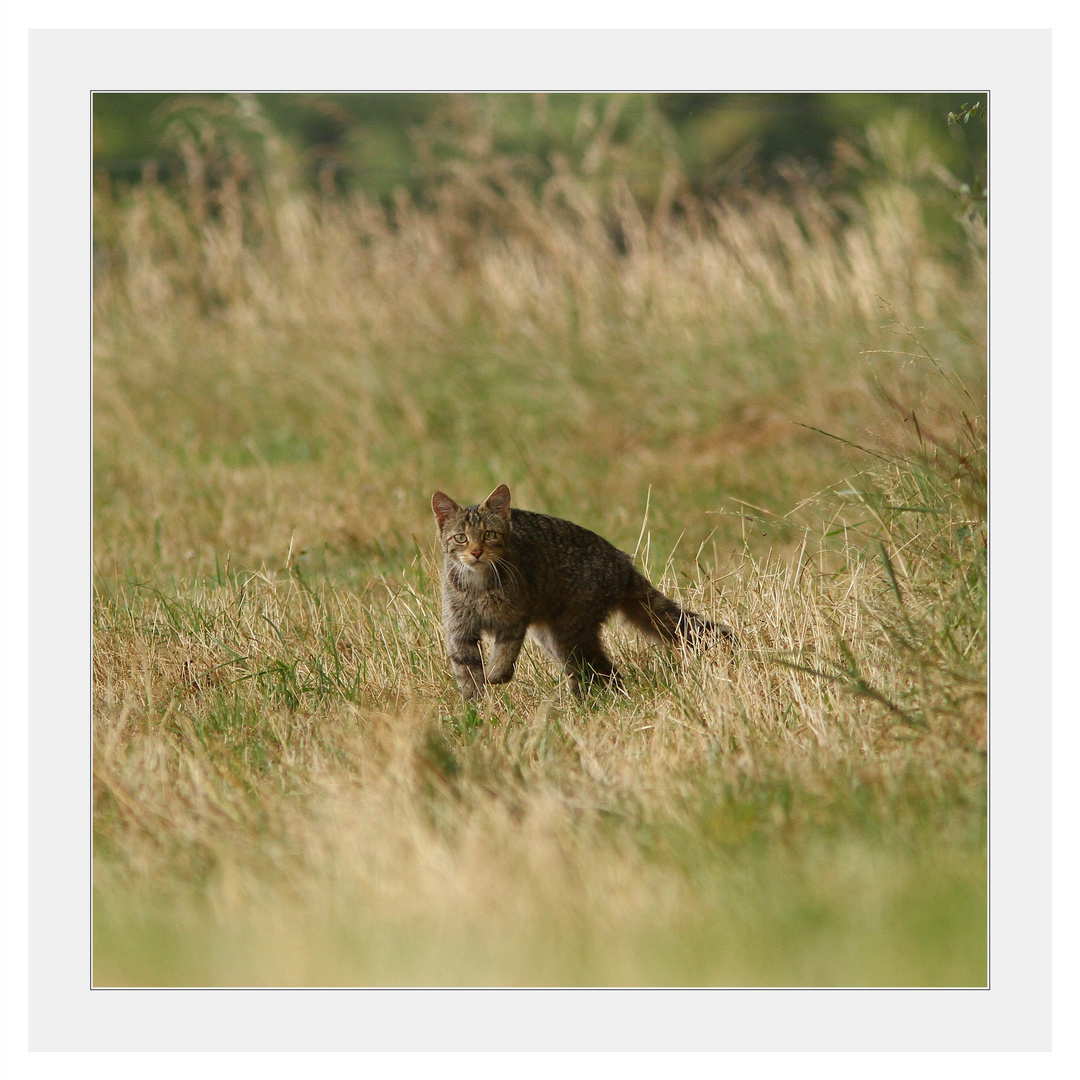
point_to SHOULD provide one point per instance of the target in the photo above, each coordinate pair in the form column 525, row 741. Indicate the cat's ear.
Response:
column 499, row 501
column 442, row 506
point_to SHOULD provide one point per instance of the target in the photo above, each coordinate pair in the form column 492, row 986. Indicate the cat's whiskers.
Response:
column 511, row 570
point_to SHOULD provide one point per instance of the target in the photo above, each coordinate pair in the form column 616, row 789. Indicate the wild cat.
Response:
column 507, row 572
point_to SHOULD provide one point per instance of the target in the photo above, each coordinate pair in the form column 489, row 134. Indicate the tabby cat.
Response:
column 508, row 571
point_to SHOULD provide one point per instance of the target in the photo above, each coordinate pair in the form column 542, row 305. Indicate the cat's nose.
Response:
column 477, row 552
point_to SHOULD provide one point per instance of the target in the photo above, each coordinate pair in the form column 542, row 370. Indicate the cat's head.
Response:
column 474, row 536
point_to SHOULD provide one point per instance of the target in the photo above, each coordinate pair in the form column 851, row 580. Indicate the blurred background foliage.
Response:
column 380, row 144
column 707, row 271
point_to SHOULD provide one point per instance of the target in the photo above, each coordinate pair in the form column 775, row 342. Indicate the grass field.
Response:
column 287, row 790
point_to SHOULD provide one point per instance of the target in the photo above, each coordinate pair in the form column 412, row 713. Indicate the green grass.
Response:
column 287, row 788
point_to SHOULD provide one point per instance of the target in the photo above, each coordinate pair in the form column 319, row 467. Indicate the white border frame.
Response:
column 67, row 65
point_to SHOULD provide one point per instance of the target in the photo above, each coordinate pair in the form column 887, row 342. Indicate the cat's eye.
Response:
column 491, row 535
column 460, row 538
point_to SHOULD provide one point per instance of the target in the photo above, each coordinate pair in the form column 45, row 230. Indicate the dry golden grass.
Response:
column 287, row 789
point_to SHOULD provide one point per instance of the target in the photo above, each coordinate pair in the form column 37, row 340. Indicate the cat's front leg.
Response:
column 504, row 654
column 463, row 647
column 468, row 665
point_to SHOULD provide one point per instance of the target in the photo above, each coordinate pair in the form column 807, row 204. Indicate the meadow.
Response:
column 774, row 399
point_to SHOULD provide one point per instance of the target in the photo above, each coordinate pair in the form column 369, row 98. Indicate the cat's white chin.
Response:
column 474, row 576
column 480, row 568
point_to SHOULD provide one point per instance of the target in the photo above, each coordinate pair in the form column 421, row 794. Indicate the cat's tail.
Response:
column 647, row 608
